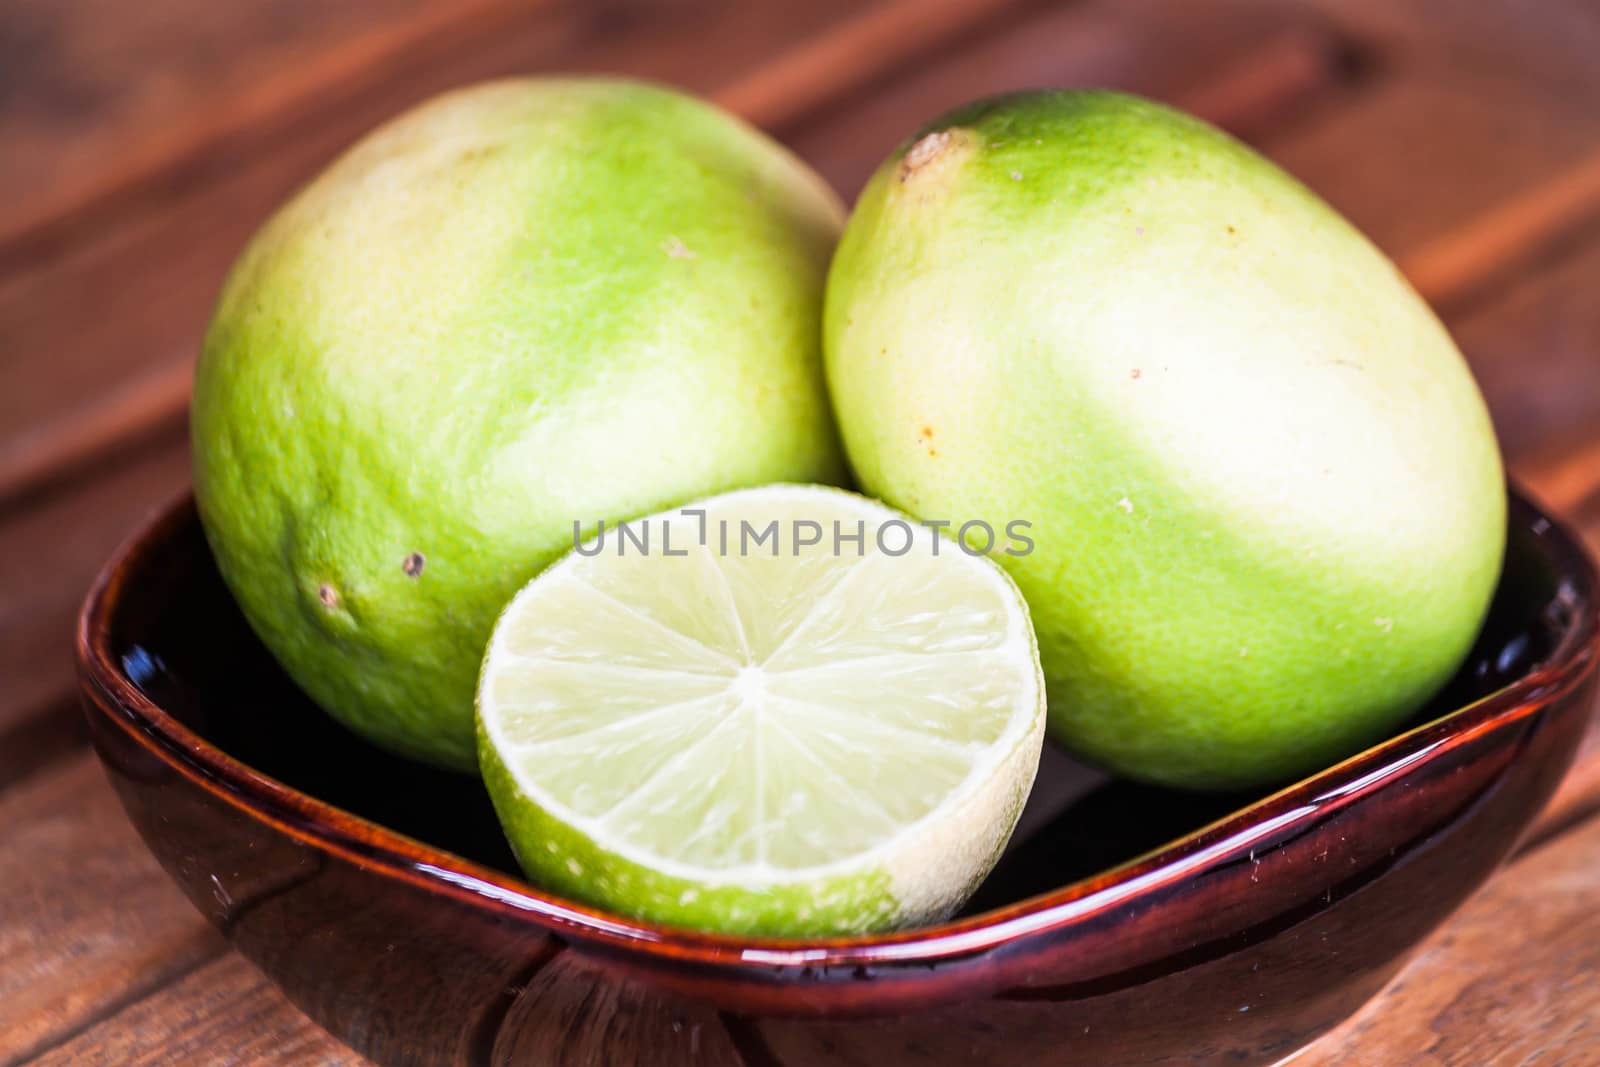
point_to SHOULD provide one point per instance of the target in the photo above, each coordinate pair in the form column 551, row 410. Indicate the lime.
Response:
column 522, row 305
column 794, row 727
column 1264, row 491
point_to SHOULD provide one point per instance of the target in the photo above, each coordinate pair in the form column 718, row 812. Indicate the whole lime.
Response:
column 1265, row 501
column 520, row 307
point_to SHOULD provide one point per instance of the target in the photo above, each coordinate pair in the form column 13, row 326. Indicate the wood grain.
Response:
column 1577, row 799
column 1510, row 980
column 111, row 106
column 1553, row 44
column 1494, row 245
column 827, row 69
column 102, row 332
column 96, row 95
column 222, row 1013
column 1462, row 178
column 1535, row 348
column 1234, row 70
column 90, row 921
column 49, row 552
column 1562, row 471
column 122, row 416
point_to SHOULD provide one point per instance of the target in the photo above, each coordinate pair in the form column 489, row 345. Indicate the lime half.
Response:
column 784, row 711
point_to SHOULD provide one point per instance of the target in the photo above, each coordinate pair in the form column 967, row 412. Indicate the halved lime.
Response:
column 785, row 711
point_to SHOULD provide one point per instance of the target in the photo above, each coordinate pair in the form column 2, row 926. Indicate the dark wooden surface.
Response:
column 145, row 141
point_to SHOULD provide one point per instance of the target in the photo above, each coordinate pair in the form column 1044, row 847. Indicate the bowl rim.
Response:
column 366, row 844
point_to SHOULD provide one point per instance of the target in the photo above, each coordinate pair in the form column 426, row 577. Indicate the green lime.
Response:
column 1265, row 496
column 522, row 305
column 814, row 731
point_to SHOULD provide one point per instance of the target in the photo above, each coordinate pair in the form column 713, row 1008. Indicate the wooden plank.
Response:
column 225, row 1012
column 106, row 106
column 1496, row 244
column 103, row 332
column 48, row 555
column 1563, row 473
column 1234, row 70
column 90, row 921
column 31, row 742
column 1535, row 348
column 1461, row 178
column 121, row 416
column 1510, row 980
column 1578, row 797
column 1554, row 45
column 884, row 39
column 96, row 96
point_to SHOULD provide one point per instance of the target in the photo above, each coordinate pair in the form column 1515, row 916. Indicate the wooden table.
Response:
column 143, row 141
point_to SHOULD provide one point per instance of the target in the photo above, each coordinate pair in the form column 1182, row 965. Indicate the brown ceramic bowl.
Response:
column 1125, row 926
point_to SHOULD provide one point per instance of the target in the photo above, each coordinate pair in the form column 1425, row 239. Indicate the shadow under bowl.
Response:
column 1125, row 925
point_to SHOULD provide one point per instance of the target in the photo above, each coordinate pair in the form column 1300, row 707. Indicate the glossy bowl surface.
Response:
column 1126, row 925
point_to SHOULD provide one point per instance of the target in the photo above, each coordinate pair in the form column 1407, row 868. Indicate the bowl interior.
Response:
column 180, row 639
